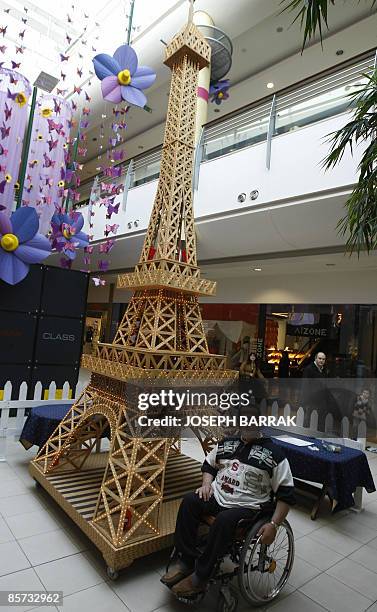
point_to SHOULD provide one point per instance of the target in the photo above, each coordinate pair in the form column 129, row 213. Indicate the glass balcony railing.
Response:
column 306, row 103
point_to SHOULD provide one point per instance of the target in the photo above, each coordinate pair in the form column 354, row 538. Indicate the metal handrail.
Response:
column 258, row 110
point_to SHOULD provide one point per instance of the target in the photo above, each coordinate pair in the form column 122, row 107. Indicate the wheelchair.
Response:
column 262, row 571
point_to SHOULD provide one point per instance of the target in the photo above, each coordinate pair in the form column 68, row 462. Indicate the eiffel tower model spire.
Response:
column 128, row 504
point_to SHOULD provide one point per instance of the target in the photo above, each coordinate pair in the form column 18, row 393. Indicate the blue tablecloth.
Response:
column 41, row 423
column 341, row 472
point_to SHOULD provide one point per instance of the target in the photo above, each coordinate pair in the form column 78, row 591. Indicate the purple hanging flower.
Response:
column 219, row 91
column 20, row 244
column 121, row 77
column 67, row 236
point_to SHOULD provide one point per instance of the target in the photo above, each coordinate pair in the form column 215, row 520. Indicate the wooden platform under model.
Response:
column 76, row 492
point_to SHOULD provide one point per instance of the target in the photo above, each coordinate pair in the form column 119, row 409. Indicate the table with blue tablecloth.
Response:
column 41, row 423
column 340, row 474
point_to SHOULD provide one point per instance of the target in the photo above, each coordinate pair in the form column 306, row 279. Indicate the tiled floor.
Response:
column 335, row 565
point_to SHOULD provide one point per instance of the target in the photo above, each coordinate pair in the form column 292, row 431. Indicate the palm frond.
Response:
column 360, row 221
column 313, row 15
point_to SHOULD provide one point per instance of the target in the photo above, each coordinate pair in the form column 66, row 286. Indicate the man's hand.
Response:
column 268, row 533
column 204, row 492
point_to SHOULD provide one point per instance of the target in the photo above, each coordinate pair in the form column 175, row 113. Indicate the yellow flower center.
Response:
column 46, row 112
column 20, row 99
column 221, row 95
column 124, row 77
column 67, row 234
column 9, row 242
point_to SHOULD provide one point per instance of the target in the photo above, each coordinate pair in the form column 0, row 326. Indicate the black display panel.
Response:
column 58, row 374
column 17, row 332
column 58, row 341
column 26, row 295
column 64, row 292
column 17, row 374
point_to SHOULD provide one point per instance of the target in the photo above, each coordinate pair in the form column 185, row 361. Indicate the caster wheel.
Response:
column 112, row 573
column 228, row 600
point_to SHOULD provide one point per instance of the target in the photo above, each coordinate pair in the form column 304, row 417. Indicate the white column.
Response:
column 202, row 18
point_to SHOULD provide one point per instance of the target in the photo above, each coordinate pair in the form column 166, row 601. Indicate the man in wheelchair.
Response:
column 241, row 476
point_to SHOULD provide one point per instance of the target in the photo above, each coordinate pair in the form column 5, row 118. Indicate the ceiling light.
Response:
column 270, row 85
column 216, row 110
column 254, row 194
column 280, row 29
column 112, row 160
column 140, row 147
column 340, row 52
column 330, row 265
column 257, row 269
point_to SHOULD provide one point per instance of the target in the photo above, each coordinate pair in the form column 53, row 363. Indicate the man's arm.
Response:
column 205, row 491
column 268, row 530
column 283, row 488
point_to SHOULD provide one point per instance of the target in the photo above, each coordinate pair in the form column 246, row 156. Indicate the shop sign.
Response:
column 319, row 329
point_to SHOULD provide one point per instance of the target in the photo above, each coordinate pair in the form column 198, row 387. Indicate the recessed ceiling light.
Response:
column 340, row 52
column 216, row 110
column 330, row 265
column 280, row 29
column 94, row 138
column 140, row 147
column 257, row 269
column 270, row 85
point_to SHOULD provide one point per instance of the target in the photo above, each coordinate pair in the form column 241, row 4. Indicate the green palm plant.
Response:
column 312, row 15
column 359, row 224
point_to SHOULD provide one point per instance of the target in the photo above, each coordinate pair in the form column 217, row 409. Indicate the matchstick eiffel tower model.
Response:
column 128, row 505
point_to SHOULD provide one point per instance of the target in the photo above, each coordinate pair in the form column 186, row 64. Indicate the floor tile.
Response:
column 335, row 540
column 366, row 556
column 334, row 595
column 367, row 517
column 70, row 574
column 19, row 504
column 302, row 572
column 296, row 601
column 32, row 523
column 302, row 522
column 373, row 543
column 316, row 554
column 134, row 581
column 6, row 473
column 48, row 546
column 355, row 576
column 96, row 599
column 355, row 528
column 12, row 487
column 373, row 608
column 12, row 559
column 26, row 580
column 5, row 533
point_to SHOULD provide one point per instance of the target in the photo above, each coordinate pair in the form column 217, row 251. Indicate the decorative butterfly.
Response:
column 3, row 151
column 66, row 263
column 77, row 90
column 3, row 30
column 48, row 161
column 20, row 49
column 24, row 20
column 2, row 186
column 58, row 127
column 82, row 151
column 12, row 79
column 28, row 189
column 83, row 42
column 57, row 107
column 8, row 112
column 22, row 34
column 98, row 281
column 112, row 210
column 86, row 111
column 89, row 249
column 7, row 11
column 105, row 247
column 118, row 155
column 111, row 229
column 87, row 97
column 81, row 56
column 62, row 75
column 64, row 58
column 52, row 144
column 61, row 92
column 84, row 125
column 79, row 72
column 69, row 19
column 86, row 16
column 68, row 39
column 2, row 49
column 93, row 49
column 15, row 65
column 26, row 9
column 103, row 265
column 4, row 131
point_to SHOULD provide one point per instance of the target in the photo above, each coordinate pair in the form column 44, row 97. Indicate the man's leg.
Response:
column 220, row 537
column 191, row 510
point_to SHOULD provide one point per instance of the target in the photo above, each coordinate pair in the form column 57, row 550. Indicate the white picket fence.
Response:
column 11, row 426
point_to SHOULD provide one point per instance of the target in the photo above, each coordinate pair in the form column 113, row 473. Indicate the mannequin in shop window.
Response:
column 251, row 378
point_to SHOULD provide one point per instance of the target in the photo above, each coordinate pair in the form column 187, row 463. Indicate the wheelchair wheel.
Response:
column 227, row 600
column 264, row 570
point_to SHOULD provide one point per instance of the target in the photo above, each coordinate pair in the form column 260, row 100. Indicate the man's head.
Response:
column 320, row 360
